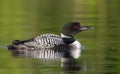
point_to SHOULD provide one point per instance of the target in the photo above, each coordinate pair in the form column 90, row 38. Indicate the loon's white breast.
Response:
column 75, row 49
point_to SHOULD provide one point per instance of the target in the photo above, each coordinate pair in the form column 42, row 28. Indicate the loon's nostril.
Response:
column 11, row 47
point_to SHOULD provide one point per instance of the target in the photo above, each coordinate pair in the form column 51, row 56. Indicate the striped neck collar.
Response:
column 65, row 36
column 67, row 39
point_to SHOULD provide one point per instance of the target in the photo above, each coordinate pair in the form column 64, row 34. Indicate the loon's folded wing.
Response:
column 43, row 46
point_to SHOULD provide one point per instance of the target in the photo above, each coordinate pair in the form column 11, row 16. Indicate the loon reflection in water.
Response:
column 51, row 46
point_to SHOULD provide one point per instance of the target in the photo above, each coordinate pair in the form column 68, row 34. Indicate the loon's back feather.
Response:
column 49, row 40
column 45, row 41
column 42, row 46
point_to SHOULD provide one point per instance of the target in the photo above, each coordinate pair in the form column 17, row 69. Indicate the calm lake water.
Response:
column 24, row 19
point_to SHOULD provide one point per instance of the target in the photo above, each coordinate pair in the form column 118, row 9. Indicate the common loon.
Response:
column 65, row 45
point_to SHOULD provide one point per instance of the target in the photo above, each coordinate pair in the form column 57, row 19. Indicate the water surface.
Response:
column 24, row 19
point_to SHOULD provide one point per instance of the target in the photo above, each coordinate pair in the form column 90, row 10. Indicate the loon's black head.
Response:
column 73, row 28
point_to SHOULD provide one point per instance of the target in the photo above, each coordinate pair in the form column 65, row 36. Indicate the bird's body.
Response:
column 47, row 46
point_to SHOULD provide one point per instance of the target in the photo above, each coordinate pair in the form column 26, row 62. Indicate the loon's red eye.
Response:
column 76, row 27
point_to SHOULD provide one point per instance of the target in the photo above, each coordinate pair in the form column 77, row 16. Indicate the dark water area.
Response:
column 24, row 19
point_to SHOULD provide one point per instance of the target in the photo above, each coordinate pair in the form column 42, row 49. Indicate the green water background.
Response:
column 24, row 19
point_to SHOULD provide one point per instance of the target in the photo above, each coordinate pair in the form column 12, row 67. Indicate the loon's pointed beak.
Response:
column 84, row 28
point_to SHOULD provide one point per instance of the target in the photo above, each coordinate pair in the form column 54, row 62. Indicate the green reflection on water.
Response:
column 23, row 19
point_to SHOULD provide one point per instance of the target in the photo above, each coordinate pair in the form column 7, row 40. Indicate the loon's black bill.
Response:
column 84, row 28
